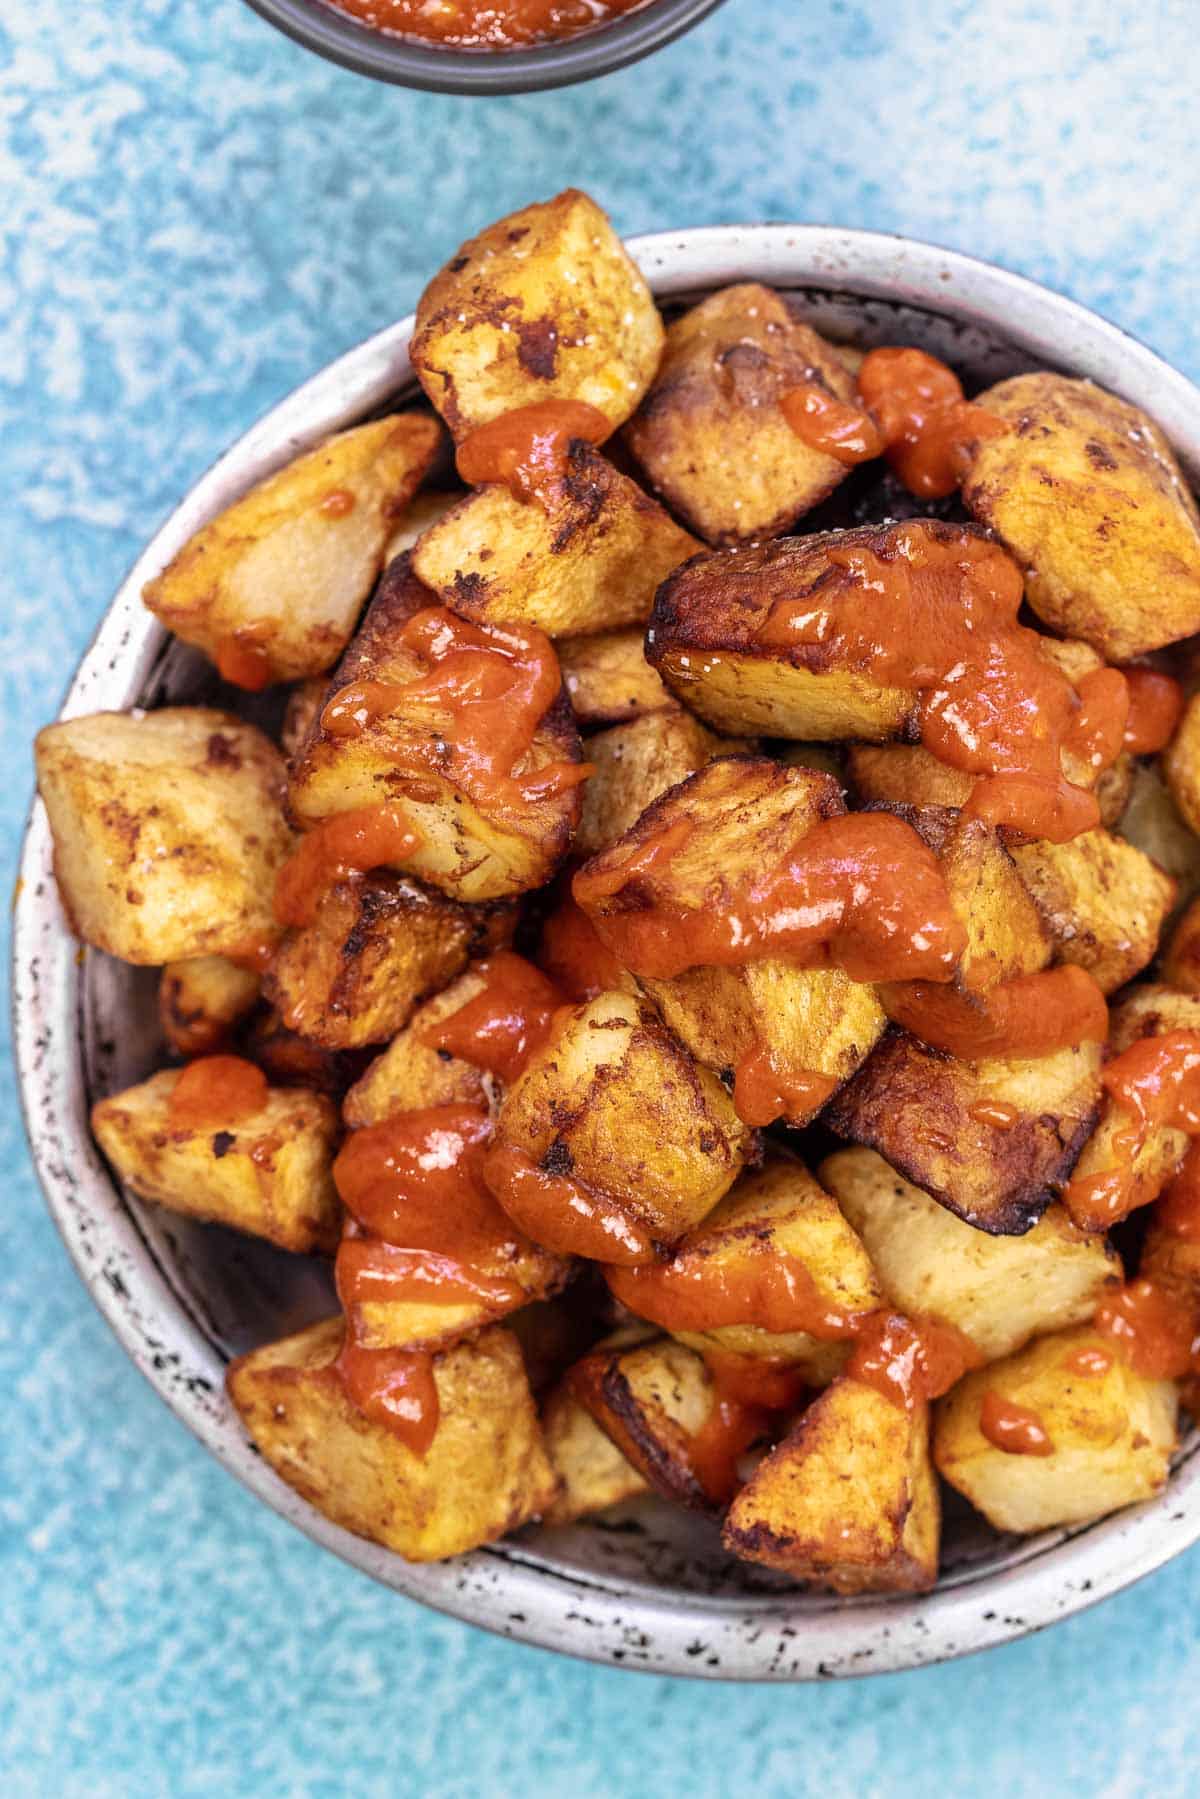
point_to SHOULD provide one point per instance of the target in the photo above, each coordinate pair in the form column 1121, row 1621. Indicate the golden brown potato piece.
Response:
column 1005, row 934
column 409, row 1074
column 268, row 1174
column 376, row 947
column 710, row 433
column 592, row 1472
column 1151, row 1009
column 200, row 1001
column 702, row 639
column 904, row 774
column 634, row 764
column 544, row 304
column 928, row 1114
column 1104, row 902
column 589, row 560
column 615, row 1102
column 1181, row 959
column 277, row 580
column 1112, row 1435
column 168, row 831
column 485, row 1473
column 780, row 1212
column 1181, row 765
column 1086, row 494
column 746, row 813
column 469, row 849
column 533, row 1273
column 652, row 1402
column 608, row 679
column 999, row 1291
column 848, row 1500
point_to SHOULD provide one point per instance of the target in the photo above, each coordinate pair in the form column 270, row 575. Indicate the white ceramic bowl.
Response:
column 646, row 1587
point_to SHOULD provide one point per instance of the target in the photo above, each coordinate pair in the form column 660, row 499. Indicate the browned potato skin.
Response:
column 593, row 1474
column 294, row 559
column 1181, row 959
column 410, row 1075
column 376, row 947
column 269, row 1174
column 915, row 1105
column 615, row 1102
column 464, row 851
column 636, row 763
column 588, row 560
column 1086, row 494
column 608, row 680
column 848, row 1499
column 710, row 434
column 201, row 1001
column 651, row 1401
column 1104, row 903
column 544, row 304
column 1112, row 1434
column 168, row 831
column 485, row 1473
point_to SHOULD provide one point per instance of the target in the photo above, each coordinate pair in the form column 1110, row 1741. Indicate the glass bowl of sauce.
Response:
column 484, row 46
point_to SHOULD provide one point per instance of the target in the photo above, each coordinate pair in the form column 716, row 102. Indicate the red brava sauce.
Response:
column 1153, row 1085
column 1153, row 1329
column 911, row 1360
column 758, row 1283
column 505, row 1023
column 1030, row 1015
column 485, row 24
column 216, row 1091
column 527, row 449
column 1155, row 708
column 1016, row 1429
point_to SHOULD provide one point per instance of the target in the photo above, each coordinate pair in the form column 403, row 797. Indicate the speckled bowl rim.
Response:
column 339, row 38
column 505, row 1588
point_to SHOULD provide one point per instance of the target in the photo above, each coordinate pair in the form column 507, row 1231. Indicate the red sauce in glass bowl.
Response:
column 485, row 24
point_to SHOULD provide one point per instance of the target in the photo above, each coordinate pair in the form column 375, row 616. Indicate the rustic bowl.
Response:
column 646, row 1586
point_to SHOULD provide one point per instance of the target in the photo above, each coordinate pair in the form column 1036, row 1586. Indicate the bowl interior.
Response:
column 642, row 1585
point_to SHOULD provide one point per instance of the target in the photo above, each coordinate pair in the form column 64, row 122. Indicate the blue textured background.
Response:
column 194, row 215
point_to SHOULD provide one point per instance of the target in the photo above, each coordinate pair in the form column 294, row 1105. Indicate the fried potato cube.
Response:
column 1181, row 765
column 268, row 1174
column 544, row 304
column 710, row 433
column 615, row 1102
column 1112, row 1435
column 930, row 1116
column 410, row 1074
column 467, row 849
column 779, row 1212
column 593, row 1474
column 1104, row 903
column 589, row 560
column 1004, row 931
column 279, row 577
column 485, row 1473
column 748, row 812
column 703, row 640
column 375, row 948
column 168, row 830
column 201, row 1000
column 1084, row 491
column 1151, row 1009
column 652, row 1402
column 608, row 680
column 1181, row 959
column 848, row 1499
column 999, row 1291
column 533, row 1273
column 636, row 763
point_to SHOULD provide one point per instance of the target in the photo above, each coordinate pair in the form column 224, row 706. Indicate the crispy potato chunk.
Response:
column 168, row 830
column 544, row 304
column 590, row 560
column 1151, row 1009
column 268, row 1174
column 702, row 639
column 1084, row 491
column 1181, row 959
column 200, row 1001
column 593, row 1474
column 1005, row 934
column 485, row 1473
column 409, row 1074
column 615, row 1102
column 652, row 1402
column 925, row 1112
column 908, row 775
column 376, row 947
column 1181, row 765
column 710, row 433
column 999, row 1291
column 848, row 1500
column 637, row 762
column 1112, row 1433
column 780, row 1211
column 281, row 575
column 1104, row 902
column 466, row 850
column 533, row 1272
column 608, row 680
column 747, row 813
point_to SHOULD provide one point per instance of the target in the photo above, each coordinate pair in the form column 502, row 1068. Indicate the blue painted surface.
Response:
column 194, row 215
